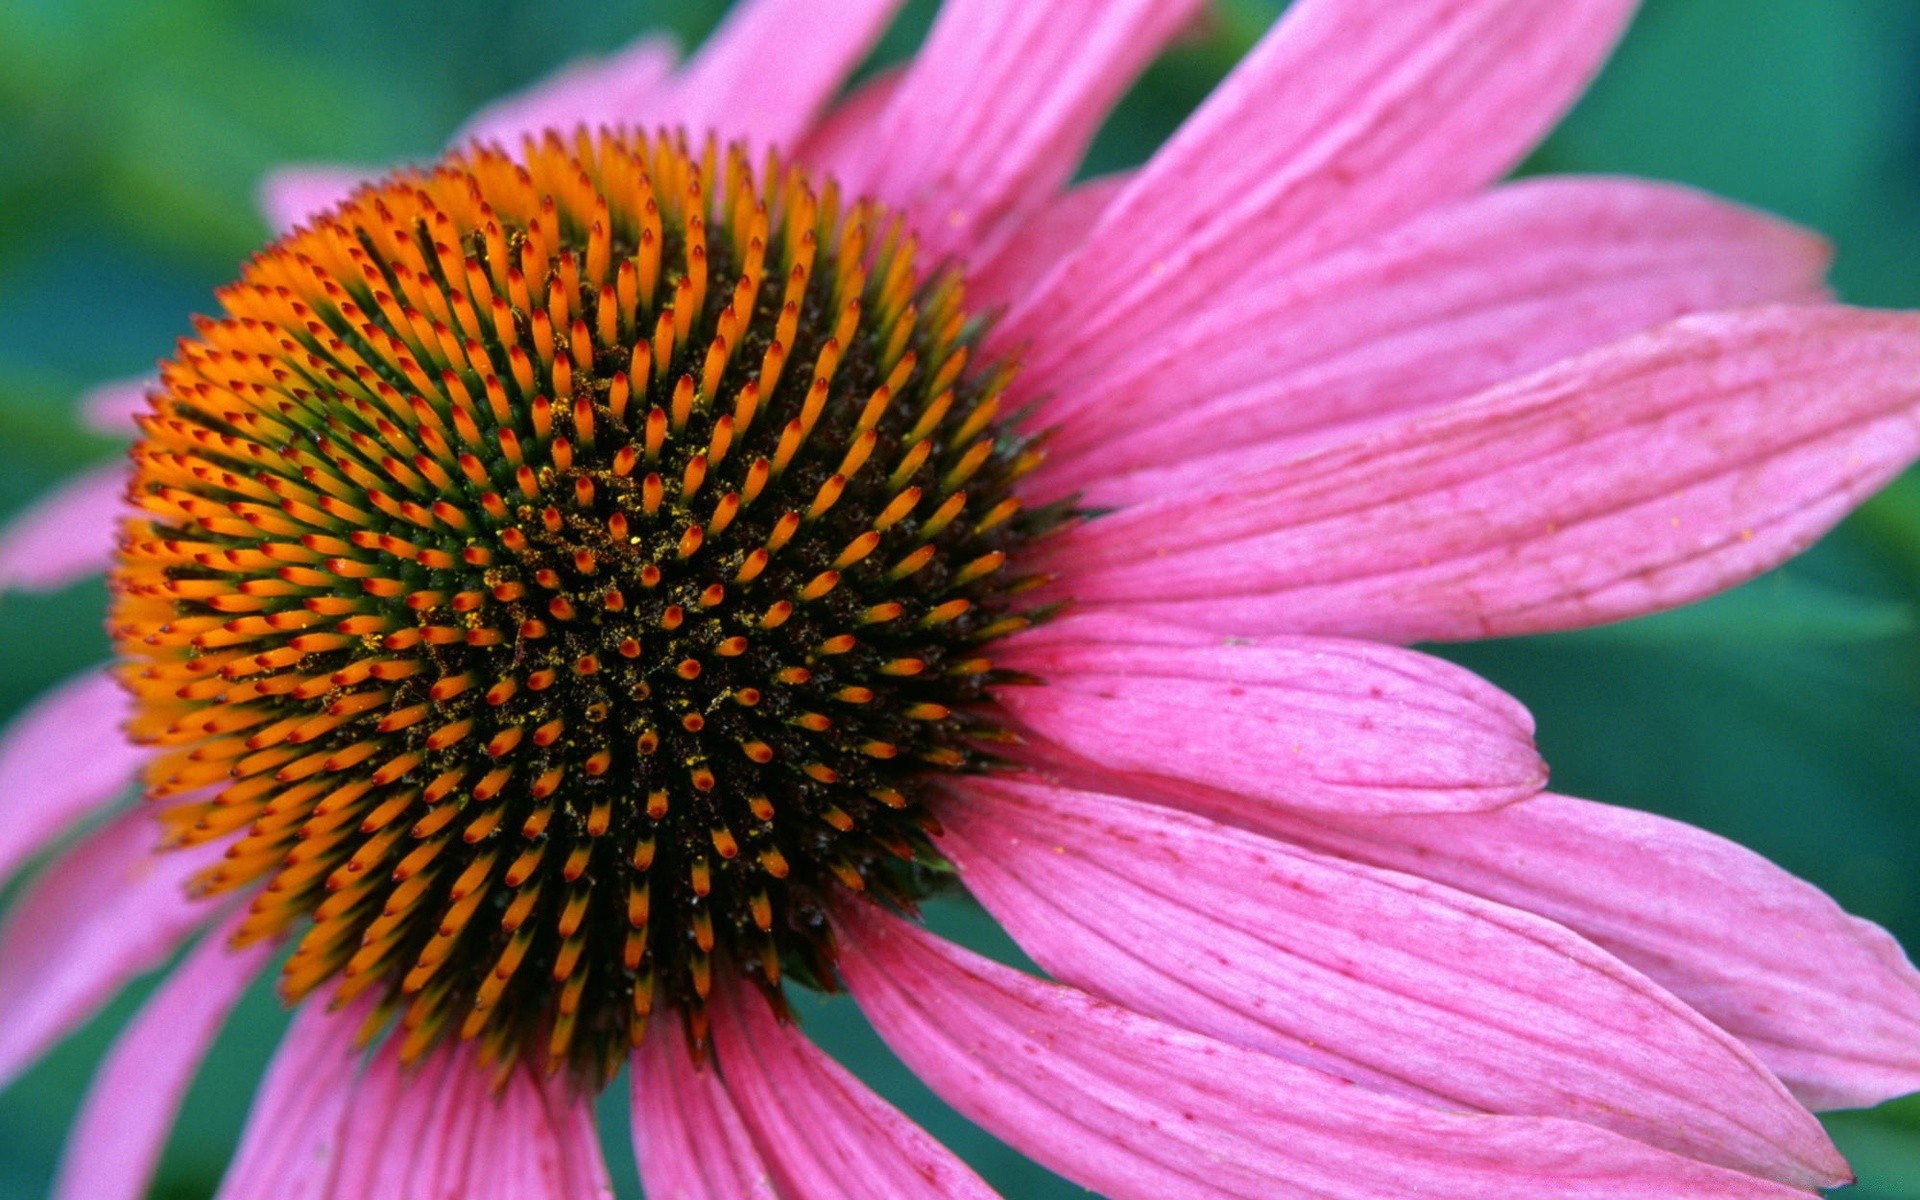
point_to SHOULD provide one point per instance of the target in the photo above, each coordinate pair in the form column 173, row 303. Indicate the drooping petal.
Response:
column 1828, row 1001
column 816, row 1126
column 1375, row 976
column 1460, row 299
column 1328, row 723
column 441, row 1129
column 1643, row 475
column 1345, row 120
column 61, row 759
column 559, row 1141
column 1135, row 1108
column 687, row 1132
column 109, row 909
column 332, row 1123
column 290, row 196
column 66, row 535
column 1041, row 242
column 612, row 90
column 291, row 1146
column 549, row 1143
column 402, row 1129
column 771, row 68
column 998, row 108
column 135, row 1095
column 110, row 407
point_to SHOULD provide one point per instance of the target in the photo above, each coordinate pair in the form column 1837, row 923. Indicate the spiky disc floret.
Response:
column 559, row 578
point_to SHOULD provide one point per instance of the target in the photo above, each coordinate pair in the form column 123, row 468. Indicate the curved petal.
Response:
column 131, row 1104
column 289, row 196
column 1041, row 242
column 402, row 1131
column 998, row 108
column 545, row 1143
column 62, row 759
column 460, row 1136
column 66, row 535
column 844, row 126
column 110, row 909
column 1311, row 722
column 816, row 1126
column 332, row 1123
column 1826, row 1000
column 771, row 68
column 1652, row 472
column 291, row 1146
column 1460, row 299
column 612, row 90
column 687, row 1132
column 111, row 407
column 1135, row 1108
column 1346, row 119
column 559, row 1141
column 1382, row 978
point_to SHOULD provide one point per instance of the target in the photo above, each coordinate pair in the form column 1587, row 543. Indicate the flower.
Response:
column 487, row 460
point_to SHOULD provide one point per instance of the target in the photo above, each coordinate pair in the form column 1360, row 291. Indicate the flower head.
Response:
column 580, row 590
column 554, row 629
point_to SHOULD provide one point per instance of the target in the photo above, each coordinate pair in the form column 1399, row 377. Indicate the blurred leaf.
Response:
column 1696, row 80
column 1889, row 524
column 1779, row 608
column 1884, row 1147
column 41, row 440
column 48, row 638
column 1808, row 110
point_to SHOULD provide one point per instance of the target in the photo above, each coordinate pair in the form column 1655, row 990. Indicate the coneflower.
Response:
column 574, row 593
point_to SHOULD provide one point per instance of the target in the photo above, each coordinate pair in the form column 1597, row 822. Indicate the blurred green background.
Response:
column 1785, row 715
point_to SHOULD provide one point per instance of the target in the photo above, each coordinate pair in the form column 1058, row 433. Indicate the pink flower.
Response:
column 1330, row 389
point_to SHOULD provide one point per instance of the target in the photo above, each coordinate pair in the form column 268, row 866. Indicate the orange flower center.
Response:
column 557, row 579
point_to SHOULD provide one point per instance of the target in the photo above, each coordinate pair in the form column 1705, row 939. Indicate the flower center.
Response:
column 556, row 580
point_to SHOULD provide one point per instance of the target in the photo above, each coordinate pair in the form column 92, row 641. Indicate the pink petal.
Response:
column 998, row 108
column 612, row 90
column 816, row 1126
column 1041, row 242
column 1641, row 476
column 290, row 196
column 62, row 759
column 291, row 1146
column 402, row 1126
column 1316, row 723
column 331, row 1122
column 66, row 535
column 1462, row 298
column 1345, row 120
column 687, row 1133
column 615, row 90
column 1385, row 979
column 1131, row 1107
column 550, row 1139
column 111, row 908
column 111, row 407
column 847, row 125
column 440, row 1130
column 135, row 1095
column 771, row 68
column 1826, row 1000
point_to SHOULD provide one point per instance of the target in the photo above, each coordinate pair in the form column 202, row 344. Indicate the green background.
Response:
column 1785, row 714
